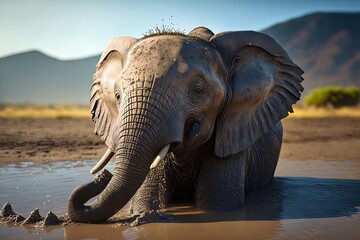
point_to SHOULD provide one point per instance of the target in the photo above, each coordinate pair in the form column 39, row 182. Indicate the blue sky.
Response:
column 69, row 29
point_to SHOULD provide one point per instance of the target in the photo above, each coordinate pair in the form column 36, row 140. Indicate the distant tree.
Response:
column 333, row 96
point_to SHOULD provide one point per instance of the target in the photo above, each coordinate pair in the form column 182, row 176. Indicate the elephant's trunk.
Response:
column 140, row 137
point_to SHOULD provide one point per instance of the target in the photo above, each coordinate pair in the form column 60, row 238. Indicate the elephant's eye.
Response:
column 117, row 95
column 196, row 90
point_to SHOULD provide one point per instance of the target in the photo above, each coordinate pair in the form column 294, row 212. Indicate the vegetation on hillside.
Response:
column 333, row 97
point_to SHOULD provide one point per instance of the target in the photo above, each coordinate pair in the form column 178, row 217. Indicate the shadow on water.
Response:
column 288, row 198
column 292, row 198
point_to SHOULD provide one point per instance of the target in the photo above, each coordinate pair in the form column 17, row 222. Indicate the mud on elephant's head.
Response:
column 172, row 93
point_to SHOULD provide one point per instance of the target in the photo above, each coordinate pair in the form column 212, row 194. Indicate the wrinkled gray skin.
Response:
column 217, row 99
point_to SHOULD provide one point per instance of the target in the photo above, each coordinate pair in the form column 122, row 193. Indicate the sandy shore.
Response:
column 73, row 139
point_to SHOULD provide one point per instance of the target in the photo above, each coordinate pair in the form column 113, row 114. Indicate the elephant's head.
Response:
column 172, row 93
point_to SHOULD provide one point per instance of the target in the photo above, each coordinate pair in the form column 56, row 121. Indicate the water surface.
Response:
column 308, row 200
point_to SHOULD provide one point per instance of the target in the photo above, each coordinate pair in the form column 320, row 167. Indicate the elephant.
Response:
column 190, row 118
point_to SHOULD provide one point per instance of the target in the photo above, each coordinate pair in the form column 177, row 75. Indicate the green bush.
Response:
column 333, row 96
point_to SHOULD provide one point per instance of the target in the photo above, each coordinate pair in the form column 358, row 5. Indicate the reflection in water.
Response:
column 302, row 207
column 318, row 197
column 302, row 197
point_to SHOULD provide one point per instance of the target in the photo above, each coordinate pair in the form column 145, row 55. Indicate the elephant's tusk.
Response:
column 160, row 156
column 103, row 161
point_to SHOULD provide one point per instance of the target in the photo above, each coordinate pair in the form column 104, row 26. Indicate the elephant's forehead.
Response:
column 155, row 56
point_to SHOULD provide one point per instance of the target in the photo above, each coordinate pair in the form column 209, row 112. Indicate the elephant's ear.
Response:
column 264, row 84
column 201, row 32
column 102, row 98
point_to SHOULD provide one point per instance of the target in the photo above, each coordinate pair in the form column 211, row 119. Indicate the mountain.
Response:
column 33, row 77
column 325, row 45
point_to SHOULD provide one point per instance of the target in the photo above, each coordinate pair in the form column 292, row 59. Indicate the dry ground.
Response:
column 73, row 139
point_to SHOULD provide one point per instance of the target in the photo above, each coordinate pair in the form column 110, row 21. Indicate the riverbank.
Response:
column 43, row 140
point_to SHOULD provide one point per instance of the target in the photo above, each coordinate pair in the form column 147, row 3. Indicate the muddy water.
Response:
column 308, row 200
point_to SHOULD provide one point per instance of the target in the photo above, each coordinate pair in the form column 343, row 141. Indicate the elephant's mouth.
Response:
column 191, row 129
column 174, row 146
column 160, row 156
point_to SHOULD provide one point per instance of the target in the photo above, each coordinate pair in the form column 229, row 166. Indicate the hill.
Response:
column 325, row 45
column 34, row 77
